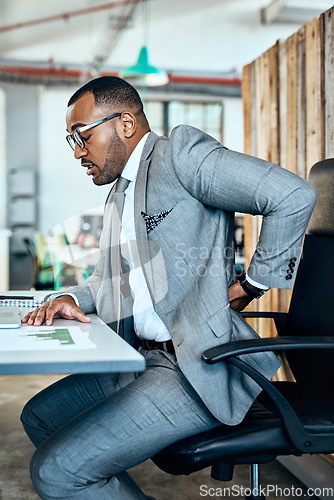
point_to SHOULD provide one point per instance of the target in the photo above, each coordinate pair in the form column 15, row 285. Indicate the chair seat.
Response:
column 258, row 438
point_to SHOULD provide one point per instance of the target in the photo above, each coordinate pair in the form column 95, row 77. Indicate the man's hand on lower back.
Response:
column 238, row 298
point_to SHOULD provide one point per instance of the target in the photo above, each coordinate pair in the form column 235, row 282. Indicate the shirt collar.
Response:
column 131, row 168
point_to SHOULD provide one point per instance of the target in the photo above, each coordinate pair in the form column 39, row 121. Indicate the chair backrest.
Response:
column 321, row 177
column 311, row 309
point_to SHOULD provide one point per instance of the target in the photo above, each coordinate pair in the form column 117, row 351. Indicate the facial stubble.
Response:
column 114, row 163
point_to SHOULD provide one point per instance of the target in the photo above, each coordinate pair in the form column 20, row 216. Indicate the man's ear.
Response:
column 129, row 124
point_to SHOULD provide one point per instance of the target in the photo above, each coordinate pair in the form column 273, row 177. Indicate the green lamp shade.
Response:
column 143, row 73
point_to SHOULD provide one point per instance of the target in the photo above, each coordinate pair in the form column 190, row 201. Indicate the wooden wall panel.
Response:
column 328, row 76
column 314, row 110
column 301, row 105
column 250, row 146
column 282, row 102
column 288, row 95
column 273, row 153
column 282, row 296
column 291, row 128
column 247, row 106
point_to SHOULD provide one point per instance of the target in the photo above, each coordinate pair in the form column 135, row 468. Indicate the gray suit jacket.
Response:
column 188, row 259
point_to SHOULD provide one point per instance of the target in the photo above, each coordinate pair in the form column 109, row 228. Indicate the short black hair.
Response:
column 110, row 91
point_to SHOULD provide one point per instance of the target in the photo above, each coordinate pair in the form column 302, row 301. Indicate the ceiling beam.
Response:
column 66, row 15
column 271, row 11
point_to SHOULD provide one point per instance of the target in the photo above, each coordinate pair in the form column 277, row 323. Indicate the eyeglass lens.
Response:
column 71, row 142
column 74, row 139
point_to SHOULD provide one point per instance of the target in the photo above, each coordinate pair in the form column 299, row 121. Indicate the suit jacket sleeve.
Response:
column 88, row 291
column 236, row 182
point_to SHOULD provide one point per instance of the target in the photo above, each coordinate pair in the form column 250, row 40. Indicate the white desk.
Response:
column 112, row 353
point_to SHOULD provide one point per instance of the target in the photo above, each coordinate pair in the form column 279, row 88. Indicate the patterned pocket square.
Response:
column 152, row 221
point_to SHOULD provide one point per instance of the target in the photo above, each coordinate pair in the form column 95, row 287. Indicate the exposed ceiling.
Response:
column 97, row 34
column 76, row 24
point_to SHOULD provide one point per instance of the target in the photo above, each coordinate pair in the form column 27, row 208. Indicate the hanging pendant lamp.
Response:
column 143, row 73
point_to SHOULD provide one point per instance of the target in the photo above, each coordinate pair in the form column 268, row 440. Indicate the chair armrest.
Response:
column 263, row 314
column 238, row 347
column 278, row 317
column 302, row 440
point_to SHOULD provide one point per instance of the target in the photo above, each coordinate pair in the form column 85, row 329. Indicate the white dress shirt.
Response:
column 147, row 323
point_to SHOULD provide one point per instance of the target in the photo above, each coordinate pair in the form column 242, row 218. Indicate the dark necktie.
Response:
column 116, row 223
column 120, row 270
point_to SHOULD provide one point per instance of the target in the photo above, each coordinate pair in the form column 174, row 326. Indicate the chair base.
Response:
column 222, row 472
column 254, row 484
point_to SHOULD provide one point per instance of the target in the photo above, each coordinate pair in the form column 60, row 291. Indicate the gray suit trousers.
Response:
column 89, row 429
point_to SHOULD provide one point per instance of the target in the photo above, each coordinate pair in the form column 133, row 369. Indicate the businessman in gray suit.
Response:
column 175, row 258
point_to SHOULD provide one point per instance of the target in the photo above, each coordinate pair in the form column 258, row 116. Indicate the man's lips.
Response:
column 90, row 167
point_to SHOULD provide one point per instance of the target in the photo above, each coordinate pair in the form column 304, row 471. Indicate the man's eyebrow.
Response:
column 77, row 125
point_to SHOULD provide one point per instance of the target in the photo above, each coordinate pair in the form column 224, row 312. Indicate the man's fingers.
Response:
column 240, row 304
column 32, row 317
column 39, row 318
column 63, row 306
column 35, row 317
column 78, row 314
column 50, row 313
column 26, row 318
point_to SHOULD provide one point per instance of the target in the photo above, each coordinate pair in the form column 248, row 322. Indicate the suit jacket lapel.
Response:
column 140, row 206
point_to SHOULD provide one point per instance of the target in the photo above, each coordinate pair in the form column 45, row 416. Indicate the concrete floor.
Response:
column 16, row 450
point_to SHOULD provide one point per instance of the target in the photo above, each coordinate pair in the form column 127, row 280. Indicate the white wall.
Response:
column 233, row 124
column 3, row 178
column 4, row 233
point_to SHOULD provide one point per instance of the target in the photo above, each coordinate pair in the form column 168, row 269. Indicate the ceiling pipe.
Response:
column 42, row 72
column 66, row 15
column 52, row 71
column 205, row 80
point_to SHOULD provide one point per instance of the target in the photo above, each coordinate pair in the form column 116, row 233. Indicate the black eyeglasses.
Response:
column 76, row 137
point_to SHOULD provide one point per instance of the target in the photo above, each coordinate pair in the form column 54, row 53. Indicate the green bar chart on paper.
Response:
column 44, row 338
column 60, row 334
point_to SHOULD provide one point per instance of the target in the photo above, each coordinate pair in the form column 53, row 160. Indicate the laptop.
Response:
column 10, row 317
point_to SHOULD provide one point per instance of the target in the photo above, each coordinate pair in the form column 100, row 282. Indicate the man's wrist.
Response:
column 251, row 290
column 256, row 284
column 55, row 295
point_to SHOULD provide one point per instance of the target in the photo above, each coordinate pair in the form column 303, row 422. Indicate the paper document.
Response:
column 44, row 338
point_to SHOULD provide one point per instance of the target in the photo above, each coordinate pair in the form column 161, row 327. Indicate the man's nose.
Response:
column 79, row 152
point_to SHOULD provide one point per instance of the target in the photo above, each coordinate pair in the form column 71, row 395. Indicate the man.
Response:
column 176, row 234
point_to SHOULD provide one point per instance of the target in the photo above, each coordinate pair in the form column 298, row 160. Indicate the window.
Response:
column 163, row 116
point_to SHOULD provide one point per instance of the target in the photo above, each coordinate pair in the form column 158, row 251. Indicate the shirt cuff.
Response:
column 55, row 295
column 256, row 284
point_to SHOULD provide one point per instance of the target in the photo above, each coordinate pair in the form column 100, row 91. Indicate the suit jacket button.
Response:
column 293, row 259
column 288, row 277
column 292, row 264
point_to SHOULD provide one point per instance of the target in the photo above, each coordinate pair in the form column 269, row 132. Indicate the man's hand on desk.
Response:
column 61, row 307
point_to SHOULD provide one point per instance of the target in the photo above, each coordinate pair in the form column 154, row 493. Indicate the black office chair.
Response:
column 288, row 418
